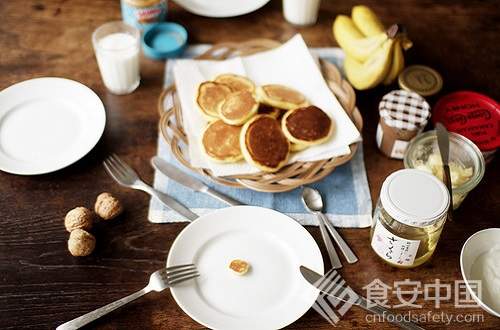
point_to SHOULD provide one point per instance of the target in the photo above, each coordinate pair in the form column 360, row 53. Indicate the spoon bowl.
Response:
column 312, row 199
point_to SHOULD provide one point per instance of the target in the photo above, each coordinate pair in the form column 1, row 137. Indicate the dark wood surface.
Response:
column 41, row 285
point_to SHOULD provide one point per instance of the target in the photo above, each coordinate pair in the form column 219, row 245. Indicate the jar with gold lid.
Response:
column 409, row 217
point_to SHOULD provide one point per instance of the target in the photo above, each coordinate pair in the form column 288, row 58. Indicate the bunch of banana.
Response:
column 374, row 55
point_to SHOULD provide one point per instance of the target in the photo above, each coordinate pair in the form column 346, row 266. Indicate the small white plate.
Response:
column 47, row 124
column 271, row 295
column 221, row 8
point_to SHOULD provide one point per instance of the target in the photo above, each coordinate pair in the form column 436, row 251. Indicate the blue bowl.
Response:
column 164, row 40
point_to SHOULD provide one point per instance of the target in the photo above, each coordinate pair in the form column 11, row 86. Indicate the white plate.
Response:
column 272, row 294
column 221, row 8
column 47, row 124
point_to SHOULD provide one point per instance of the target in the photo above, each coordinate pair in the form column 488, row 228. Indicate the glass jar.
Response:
column 423, row 154
column 408, row 218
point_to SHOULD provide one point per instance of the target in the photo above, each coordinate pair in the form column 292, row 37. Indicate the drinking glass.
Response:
column 117, row 49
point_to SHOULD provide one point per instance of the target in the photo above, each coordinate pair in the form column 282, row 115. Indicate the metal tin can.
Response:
column 420, row 79
column 473, row 115
column 140, row 13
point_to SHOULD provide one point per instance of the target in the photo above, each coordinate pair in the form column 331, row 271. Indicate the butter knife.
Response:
column 188, row 181
column 443, row 140
column 335, row 290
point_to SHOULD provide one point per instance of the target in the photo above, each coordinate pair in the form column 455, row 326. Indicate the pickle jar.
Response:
column 409, row 217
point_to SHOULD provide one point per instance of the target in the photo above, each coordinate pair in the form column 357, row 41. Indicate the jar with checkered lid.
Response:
column 403, row 115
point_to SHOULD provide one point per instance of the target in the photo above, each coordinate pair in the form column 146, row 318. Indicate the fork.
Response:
column 125, row 175
column 158, row 281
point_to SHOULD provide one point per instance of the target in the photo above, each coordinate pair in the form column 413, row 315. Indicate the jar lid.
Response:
column 404, row 110
column 164, row 40
column 420, row 79
column 415, row 198
column 473, row 115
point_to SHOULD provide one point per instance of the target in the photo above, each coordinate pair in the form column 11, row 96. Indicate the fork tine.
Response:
column 118, row 174
column 174, row 277
column 183, row 279
column 111, row 171
column 179, row 266
column 117, row 166
column 179, row 271
column 124, row 166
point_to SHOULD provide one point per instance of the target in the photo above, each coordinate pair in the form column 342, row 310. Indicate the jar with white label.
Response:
column 409, row 217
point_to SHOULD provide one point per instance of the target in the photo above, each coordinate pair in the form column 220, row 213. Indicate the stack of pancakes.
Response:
column 262, row 125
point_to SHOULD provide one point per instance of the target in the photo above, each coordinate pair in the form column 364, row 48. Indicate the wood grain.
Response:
column 41, row 285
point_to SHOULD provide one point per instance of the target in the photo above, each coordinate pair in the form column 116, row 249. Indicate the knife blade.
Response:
column 443, row 140
column 188, row 181
column 327, row 286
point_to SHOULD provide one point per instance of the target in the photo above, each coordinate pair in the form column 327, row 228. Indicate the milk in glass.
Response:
column 117, row 51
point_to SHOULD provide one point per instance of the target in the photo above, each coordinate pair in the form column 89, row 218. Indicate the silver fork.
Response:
column 159, row 281
column 125, row 175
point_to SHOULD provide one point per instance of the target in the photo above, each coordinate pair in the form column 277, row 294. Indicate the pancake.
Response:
column 236, row 82
column 238, row 107
column 265, row 109
column 281, row 97
column 220, row 142
column 263, row 144
column 295, row 147
column 307, row 126
column 210, row 96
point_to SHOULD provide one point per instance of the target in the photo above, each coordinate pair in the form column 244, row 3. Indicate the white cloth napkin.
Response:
column 291, row 65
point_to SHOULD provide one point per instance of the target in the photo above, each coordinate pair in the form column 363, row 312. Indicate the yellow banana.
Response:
column 373, row 71
column 353, row 42
column 366, row 21
column 397, row 65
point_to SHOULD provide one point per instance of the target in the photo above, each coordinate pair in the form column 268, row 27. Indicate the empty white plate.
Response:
column 271, row 295
column 47, row 124
column 221, row 8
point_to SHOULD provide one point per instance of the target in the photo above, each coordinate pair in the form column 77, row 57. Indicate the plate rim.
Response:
column 98, row 136
column 194, row 9
column 225, row 209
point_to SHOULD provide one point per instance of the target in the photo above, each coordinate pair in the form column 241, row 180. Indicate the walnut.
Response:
column 81, row 243
column 107, row 206
column 78, row 218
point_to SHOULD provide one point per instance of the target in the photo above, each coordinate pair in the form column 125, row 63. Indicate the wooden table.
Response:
column 41, row 285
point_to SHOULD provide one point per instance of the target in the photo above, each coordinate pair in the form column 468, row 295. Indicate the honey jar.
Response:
column 408, row 218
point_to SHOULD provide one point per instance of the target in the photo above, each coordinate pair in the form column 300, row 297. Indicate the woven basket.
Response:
column 288, row 177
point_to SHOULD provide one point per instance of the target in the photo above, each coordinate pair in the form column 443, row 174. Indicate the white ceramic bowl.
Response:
column 477, row 244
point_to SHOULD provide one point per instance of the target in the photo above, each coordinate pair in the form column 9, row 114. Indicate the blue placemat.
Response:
column 345, row 191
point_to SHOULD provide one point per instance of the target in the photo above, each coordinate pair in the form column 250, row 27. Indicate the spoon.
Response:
column 314, row 203
column 307, row 199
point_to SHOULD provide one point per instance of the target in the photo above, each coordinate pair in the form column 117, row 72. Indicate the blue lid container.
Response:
column 164, row 40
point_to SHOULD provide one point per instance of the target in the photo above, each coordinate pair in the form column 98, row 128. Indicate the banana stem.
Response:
column 392, row 31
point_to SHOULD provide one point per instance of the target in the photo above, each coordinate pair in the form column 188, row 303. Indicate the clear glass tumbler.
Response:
column 117, row 49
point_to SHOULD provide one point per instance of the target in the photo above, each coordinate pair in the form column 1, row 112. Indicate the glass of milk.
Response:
column 301, row 12
column 117, row 49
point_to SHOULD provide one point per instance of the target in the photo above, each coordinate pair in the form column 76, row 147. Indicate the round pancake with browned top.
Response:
column 308, row 126
column 281, row 96
column 263, row 144
column 210, row 96
column 221, row 142
column 236, row 82
column 238, row 107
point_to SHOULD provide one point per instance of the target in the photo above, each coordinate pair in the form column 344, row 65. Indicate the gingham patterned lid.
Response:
column 404, row 110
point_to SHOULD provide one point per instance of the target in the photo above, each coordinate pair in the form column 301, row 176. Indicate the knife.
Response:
column 443, row 140
column 327, row 286
column 184, row 179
